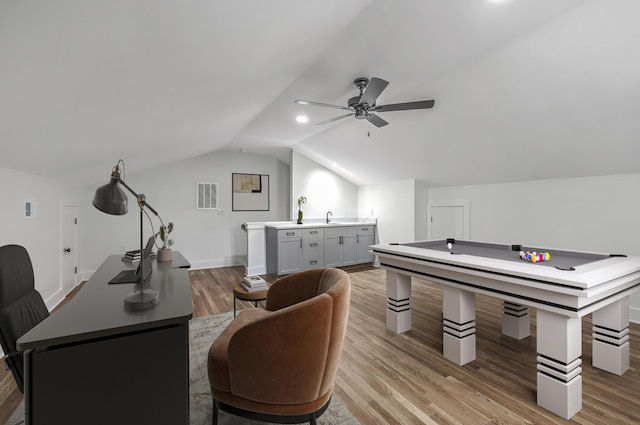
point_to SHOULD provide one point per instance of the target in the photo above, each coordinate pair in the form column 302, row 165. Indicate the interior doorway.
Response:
column 448, row 219
column 68, row 248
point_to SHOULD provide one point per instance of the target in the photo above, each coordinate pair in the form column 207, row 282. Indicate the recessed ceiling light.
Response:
column 302, row 119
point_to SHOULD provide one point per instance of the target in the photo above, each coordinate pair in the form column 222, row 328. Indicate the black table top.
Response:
column 98, row 310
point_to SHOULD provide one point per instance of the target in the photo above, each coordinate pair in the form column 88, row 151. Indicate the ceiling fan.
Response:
column 363, row 105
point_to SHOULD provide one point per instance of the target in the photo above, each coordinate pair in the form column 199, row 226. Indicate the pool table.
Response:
column 563, row 289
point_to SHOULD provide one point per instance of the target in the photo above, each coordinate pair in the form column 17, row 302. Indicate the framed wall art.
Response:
column 250, row 192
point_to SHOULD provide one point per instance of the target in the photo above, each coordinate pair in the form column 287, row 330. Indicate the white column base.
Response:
column 459, row 350
column 559, row 345
column 398, row 302
column 516, row 322
column 563, row 399
column 611, row 358
column 399, row 321
column 611, row 337
column 459, row 325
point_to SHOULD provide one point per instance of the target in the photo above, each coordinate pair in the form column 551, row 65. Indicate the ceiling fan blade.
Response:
column 335, row 119
column 422, row 104
column 376, row 120
column 306, row 102
column 373, row 90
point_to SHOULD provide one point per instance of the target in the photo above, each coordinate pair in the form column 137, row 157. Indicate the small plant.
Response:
column 165, row 231
column 301, row 200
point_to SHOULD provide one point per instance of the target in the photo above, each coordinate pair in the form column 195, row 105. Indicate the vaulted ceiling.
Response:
column 524, row 89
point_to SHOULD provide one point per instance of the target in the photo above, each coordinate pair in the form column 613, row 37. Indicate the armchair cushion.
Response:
column 283, row 360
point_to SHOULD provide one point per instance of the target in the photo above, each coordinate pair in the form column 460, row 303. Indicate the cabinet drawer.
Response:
column 313, row 245
column 313, row 233
column 364, row 230
column 340, row 231
column 312, row 261
column 289, row 233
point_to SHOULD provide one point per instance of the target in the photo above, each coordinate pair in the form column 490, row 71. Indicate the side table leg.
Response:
column 459, row 326
column 559, row 343
column 398, row 305
column 516, row 322
column 611, row 337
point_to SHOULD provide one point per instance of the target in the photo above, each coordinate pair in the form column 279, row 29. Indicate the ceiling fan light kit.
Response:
column 363, row 105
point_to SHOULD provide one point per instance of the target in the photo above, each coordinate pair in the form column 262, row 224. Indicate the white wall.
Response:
column 393, row 204
column 596, row 214
column 324, row 190
column 40, row 235
column 421, row 207
column 206, row 238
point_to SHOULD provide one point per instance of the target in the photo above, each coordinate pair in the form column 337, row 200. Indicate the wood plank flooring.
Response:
column 385, row 378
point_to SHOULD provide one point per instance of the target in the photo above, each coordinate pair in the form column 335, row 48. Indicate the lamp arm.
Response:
column 142, row 202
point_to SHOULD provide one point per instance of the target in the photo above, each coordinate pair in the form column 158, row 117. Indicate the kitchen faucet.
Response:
column 328, row 219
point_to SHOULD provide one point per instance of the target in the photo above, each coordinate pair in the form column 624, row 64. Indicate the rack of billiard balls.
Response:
column 535, row 257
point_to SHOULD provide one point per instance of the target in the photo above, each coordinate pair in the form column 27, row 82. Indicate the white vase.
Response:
column 164, row 254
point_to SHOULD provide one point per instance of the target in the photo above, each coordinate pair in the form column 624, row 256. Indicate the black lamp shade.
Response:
column 111, row 199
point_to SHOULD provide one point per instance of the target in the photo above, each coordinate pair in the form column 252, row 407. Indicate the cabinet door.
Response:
column 332, row 251
column 289, row 255
column 348, row 251
column 364, row 242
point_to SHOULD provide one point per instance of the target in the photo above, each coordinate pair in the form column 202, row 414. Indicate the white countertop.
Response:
column 311, row 223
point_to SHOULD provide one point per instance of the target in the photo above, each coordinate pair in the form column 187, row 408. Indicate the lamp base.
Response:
column 140, row 300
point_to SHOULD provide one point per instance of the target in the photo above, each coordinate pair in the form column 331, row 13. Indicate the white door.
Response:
column 68, row 250
column 449, row 220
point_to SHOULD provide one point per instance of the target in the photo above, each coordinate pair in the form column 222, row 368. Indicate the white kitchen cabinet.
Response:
column 284, row 251
column 293, row 249
column 340, row 246
column 312, row 248
column 365, row 237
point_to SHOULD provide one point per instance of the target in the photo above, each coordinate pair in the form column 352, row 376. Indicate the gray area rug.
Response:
column 202, row 332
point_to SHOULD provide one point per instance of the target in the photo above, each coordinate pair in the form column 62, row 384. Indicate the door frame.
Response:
column 459, row 203
column 74, row 252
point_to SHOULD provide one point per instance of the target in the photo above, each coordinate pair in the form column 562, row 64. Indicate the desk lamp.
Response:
column 111, row 199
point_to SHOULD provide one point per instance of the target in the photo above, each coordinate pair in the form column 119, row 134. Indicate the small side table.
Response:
column 239, row 293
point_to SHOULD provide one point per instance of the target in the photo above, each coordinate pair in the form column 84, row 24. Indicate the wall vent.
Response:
column 206, row 196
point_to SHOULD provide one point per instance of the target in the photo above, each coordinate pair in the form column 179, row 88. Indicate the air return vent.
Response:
column 206, row 196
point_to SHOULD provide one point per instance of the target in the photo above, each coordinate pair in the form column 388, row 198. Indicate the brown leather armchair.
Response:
column 279, row 364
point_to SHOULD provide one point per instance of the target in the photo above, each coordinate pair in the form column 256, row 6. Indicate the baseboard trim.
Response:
column 54, row 300
column 214, row 264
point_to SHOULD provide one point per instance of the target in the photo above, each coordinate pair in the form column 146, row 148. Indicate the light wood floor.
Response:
column 386, row 378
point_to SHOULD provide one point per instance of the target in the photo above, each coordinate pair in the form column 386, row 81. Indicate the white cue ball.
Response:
column 449, row 245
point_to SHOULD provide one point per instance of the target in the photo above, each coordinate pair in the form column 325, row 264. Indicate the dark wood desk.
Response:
column 94, row 361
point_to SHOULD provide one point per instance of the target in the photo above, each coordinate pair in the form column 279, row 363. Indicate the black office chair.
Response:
column 21, row 306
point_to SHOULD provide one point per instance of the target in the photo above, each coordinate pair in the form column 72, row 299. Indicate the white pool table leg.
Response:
column 398, row 305
column 611, row 337
column 559, row 344
column 459, row 325
column 516, row 321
